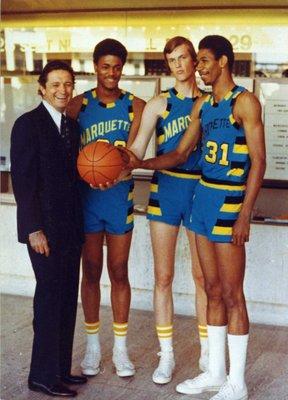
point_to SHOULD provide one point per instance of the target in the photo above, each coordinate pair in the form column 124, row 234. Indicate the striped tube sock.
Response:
column 203, row 336
column 165, row 335
column 92, row 334
column 120, row 334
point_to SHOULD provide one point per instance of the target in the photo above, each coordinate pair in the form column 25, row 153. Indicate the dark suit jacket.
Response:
column 44, row 179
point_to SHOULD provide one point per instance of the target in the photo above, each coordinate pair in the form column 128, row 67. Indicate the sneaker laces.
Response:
column 166, row 363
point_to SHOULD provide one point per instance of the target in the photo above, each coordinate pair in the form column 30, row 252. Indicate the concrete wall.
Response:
column 266, row 281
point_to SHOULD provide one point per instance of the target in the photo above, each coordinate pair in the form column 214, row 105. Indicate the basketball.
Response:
column 99, row 162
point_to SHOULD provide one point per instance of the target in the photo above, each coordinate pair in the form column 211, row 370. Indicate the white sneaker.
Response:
column 202, row 383
column 124, row 367
column 231, row 392
column 91, row 364
column 204, row 362
column 163, row 374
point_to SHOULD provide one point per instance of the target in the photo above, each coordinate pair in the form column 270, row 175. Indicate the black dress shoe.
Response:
column 58, row 389
column 73, row 379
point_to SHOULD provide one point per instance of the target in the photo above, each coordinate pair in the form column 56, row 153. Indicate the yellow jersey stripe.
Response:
column 154, row 210
column 235, row 172
column 231, row 207
column 130, row 219
column 160, row 139
column 179, row 175
column 240, row 149
column 153, row 188
column 222, row 230
column 222, row 187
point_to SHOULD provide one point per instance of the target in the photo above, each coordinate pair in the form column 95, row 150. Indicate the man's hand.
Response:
column 241, row 230
column 129, row 158
column 39, row 243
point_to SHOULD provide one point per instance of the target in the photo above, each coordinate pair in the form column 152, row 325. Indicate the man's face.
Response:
column 109, row 71
column 180, row 63
column 58, row 89
column 208, row 67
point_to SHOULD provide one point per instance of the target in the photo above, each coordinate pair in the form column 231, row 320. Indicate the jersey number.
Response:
column 116, row 143
column 214, row 150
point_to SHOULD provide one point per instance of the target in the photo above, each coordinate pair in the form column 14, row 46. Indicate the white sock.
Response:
column 237, row 345
column 204, row 346
column 217, row 343
column 165, row 337
column 93, row 341
column 92, row 335
column 120, row 335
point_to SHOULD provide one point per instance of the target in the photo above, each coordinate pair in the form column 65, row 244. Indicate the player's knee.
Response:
column 199, row 281
column 164, row 281
column 119, row 273
column 213, row 291
column 91, row 272
column 232, row 297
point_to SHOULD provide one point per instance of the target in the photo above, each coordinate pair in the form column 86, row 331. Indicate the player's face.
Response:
column 109, row 71
column 180, row 63
column 58, row 89
column 208, row 67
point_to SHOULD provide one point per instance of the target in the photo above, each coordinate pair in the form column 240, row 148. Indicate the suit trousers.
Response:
column 55, row 307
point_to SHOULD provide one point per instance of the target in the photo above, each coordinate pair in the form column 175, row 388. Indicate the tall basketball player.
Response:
column 171, row 197
column 233, row 166
column 109, row 114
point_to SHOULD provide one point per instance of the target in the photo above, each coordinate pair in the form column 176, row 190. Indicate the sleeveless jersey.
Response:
column 171, row 126
column 109, row 122
column 225, row 158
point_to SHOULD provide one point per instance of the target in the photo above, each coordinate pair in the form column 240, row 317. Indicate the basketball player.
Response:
column 109, row 114
column 171, row 196
column 233, row 166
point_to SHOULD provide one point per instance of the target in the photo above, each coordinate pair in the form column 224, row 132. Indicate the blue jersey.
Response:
column 110, row 210
column 109, row 122
column 225, row 157
column 171, row 126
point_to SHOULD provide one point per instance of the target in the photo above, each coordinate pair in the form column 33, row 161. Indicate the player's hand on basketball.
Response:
column 39, row 243
column 241, row 230
column 107, row 185
column 129, row 158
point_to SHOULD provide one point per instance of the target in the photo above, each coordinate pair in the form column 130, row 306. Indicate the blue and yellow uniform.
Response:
column 225, row 165
column 110, row 210
column 172, row 190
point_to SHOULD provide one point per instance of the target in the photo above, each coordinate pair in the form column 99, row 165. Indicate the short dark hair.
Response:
column 52, row 66
column 178, row 41
column 219, row 46
column 111, row 47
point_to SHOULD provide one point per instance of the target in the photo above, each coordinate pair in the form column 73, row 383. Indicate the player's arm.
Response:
column 152, row 110
column 138, row 107
column 151, row 113
column 248, row 112
column 181, row 153
column 74, row 106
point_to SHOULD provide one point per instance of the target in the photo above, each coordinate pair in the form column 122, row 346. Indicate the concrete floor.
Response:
column 266, row 374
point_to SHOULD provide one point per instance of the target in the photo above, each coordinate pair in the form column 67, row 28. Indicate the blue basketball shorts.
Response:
column 171, row 196
column 110, row 210
column 215, row 211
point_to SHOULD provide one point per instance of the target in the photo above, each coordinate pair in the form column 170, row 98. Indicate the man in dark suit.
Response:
column 44, row 148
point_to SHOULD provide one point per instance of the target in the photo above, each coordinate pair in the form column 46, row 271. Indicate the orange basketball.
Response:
column 99, row 162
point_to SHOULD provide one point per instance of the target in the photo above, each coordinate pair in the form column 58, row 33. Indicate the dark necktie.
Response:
column 64, row 130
